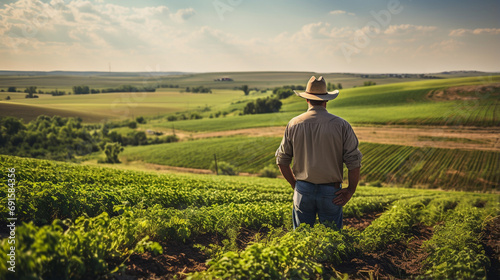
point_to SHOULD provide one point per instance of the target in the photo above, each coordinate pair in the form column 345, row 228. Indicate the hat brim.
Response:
column 320, row 97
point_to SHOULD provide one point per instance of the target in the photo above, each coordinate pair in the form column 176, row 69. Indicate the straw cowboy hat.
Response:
column 316, row 90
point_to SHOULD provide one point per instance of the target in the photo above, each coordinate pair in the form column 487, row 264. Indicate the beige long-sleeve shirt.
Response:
column 319, row 143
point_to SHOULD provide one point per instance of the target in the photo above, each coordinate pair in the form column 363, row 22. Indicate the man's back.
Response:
column 319, row 142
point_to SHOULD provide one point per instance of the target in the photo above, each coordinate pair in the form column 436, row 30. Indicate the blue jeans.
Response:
column 310, row 199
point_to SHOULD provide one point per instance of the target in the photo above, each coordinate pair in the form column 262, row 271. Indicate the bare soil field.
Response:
column 469, row 138
column 472, row 92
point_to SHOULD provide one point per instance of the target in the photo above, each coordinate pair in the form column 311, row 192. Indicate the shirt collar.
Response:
column 316, row 108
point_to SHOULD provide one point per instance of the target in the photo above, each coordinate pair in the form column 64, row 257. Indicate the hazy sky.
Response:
column 250, row 35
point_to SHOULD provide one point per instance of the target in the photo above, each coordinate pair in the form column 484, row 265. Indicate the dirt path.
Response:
column 471, row 138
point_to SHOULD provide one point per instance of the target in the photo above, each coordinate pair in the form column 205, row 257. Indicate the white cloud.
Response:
column 448, row 45
column 84, row 34
column 341, row 12
column 87, row 23
column 320, row 31
column 408, row 29
column 477, row 31
column 337, row 12
column 183, row 14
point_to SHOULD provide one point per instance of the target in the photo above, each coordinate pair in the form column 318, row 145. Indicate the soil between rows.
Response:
column 399, row 260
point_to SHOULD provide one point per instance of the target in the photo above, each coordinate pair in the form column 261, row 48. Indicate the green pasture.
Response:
column 260, row 80
column 401, row 103
column 126, row 105
column 395, row 164
column 67, row 82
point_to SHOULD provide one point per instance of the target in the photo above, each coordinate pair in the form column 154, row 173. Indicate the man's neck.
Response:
column 320, row 107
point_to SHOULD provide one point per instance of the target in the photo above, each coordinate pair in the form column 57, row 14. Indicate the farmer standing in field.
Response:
column 319, row 143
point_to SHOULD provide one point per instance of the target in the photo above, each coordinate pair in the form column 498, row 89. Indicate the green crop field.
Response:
column 84, row 222
column 76, row 221
column 394, row 164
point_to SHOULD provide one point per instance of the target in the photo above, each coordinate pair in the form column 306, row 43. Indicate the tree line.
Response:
column 83, row 89
column 200, row 89
column 60, row 138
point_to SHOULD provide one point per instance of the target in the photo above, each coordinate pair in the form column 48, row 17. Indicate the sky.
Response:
column 329, row 36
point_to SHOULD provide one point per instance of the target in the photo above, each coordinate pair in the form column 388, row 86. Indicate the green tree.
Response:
column 330, row 87
column 30, row 91
column 140, row 120
column 11, row 89
column 132, row 124
column 245, row 89
column 224, row 168
column 249, row 108
column 283, row 93
column 112, row 150
column 81, row 90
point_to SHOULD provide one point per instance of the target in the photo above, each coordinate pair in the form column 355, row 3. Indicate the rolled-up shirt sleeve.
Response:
column 351, row 154
column 284, row 153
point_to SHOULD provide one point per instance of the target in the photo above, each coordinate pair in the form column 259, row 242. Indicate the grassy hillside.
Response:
column 402, row 103
column 402, row 165
column 399, row 102
column 260, row 80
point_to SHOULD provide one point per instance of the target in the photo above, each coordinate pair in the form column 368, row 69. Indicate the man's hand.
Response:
column 343, row 196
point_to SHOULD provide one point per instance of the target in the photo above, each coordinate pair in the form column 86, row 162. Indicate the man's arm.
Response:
column 344, row 195
column 286, row 171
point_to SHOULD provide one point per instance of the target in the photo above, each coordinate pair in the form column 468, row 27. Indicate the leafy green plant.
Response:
column 295, row 255
column 455, row 249
column 394, row 224
column 80, row 250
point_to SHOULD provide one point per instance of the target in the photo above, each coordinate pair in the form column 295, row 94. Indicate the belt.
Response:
column 337, row 185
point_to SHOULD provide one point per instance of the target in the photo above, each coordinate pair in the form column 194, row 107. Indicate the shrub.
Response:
column 224, row 168
column 377, row 184
column 270, row 171
column 112, row 150
column 140, row 120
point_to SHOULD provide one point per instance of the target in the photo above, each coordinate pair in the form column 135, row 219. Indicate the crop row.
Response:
column 129, row 213
column 455, row 249
column 403, row 165
column 75, row 191
column 295, row 255
column 444, row 168
column 302, row 253
column 87, row 248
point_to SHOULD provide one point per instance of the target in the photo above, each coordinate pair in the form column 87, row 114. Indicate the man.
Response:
column 319, row 143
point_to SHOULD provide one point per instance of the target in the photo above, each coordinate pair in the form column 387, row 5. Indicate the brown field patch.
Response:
column 31, row 112
column 472, row 92
column 469, row 138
